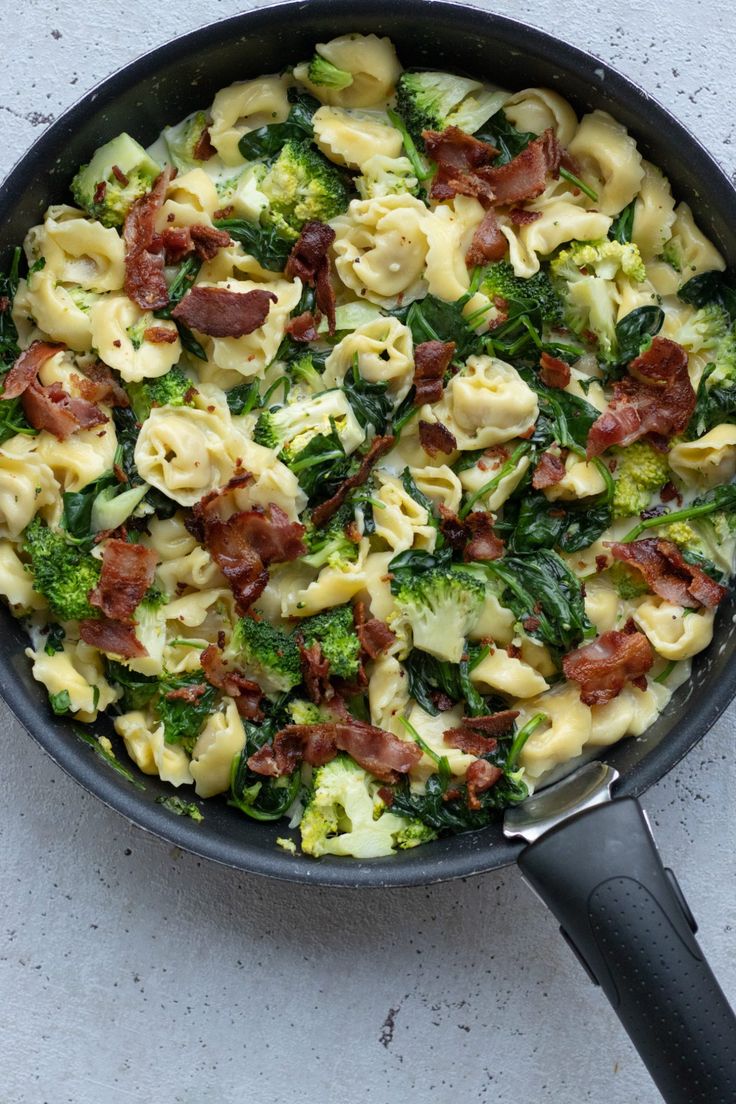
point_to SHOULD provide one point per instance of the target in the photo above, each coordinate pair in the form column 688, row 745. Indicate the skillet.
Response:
column 175, row 79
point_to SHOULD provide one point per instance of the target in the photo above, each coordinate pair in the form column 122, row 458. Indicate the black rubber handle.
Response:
column 625, row 917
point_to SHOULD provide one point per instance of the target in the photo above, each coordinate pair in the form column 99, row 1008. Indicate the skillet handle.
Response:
column 627, row 921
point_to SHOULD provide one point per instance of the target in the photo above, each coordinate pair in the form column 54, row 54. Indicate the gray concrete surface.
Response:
column 131, row 972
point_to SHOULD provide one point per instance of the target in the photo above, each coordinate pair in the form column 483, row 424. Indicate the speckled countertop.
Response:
column 133, row 973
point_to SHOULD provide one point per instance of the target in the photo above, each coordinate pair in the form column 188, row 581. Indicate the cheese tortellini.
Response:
column 487, row 404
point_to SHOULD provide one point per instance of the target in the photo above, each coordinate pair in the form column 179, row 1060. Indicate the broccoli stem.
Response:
column 503, row 471
column 585, row 188
column 421, row 170
column 522, row 736
column 607, row 495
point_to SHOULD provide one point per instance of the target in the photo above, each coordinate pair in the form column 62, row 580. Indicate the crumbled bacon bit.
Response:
column 375, row 636
column 480, row 777
column 245, row 693
column 219, row 312
column 315, row 672
column 436, row 437
column 120, row 176
column 520, row 216
column 670, row 493
column 603, row 667
column 488, row 243
column 24, row 371
column 99, row 385
column 431, row 361
column 204, row 149
column 473, row 536
column 381, row 753
column 601, row 562
column 52, row 409
column 309, row 261
column 549, row 471
column 525, row 176
column 100, row 192
column 145, row 282
column 479, row 735
column 303, row 328
column 553, row 371
column 459, row 157
column 160, row 335
column 127, row 573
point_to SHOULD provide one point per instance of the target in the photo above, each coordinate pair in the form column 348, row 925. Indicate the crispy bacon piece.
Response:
column 26, row 368
column 246, row 694
column 176, row 242
column 316, row 672
column 668, row 574
column 381, row 753
column 379, row 447
column 186, row 693
column 374, row 635
column 204, row 149
column 51, row 408
column 521, row 217
column 219, row 312
column 120, row 176
column 127, row 573
column 160, row 335
column 458, row 155
column 309, row 260
column 431, row 361
column 655, row 398
column 98, row 385
column 117, row 637
column 303, row 328
column 436, row 437
column 144, row 282
column 481, row 776
column 208, row 240
column 553, row 372
column 478, row 735
column 549, row 471
column 603, row 667
column 473, row 536
column 488, row 244
column 525, row 176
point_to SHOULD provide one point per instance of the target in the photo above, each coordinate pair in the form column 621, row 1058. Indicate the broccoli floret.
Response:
column 82, row 298
column 499, row 280
column 171, row 389
column 586, row 272
column 334, row 631
column 340, row 817
column 305, row 712
column 435, row 101
column 150, row 629
column 302, row 370
column 382, row 176
column 301, row 185
column 414, row 834
column 705, row 330
column 627, row 582
column 330, row 544
column 182, row 141
column 441, row 607
column 321, row 71
column 724, row 358
column 671, row 253
column 290, row 428
column 640, row 471
column 266, row 654
column 243, row 192
column 62, row 572
column 119, row 173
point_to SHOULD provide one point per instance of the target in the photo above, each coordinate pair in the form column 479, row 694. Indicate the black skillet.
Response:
column 674, row 1010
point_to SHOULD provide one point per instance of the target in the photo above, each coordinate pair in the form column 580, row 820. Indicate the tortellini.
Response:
column 582, row 479
column 16, row 584
column 191, row 199
column 119, row 333
column 561, row 736
column 250, row 355
column 147, row 747
column 486, row 404
column 507, row 674
column 449, row 234
column 27, row 486
column 54, row 309
column 74, row 679
column 399, row 520
column 609, row 161
column 350, row 138
column 487, row 469
column 654, row 213
column 243, row 107
column 537, row 109
column 688, row 245
column 77, row 250
column 81, row 458
column 370, row 60
column 708, row 461
column 221, row 739
column 388, row 694
column 561, row 220
column 381, row 248
column 674, row 632
column 384, row 352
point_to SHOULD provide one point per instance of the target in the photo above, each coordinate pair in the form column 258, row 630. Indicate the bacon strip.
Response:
column 521, row 217
column 98, row 385
column 480, row 777
column 458, row 155
column 117, row 637
column 144, row 281
column 525, row 176
column 26, row 368
column 52, row 409
column 127, row 573
column 381, row 753
column 473, row 536
column 315, row 672
column 478, row 735
column 668, row 574
column 379, row 447
column 431, row 361
column 488, row 243
column 219, row 312
column 375, row 636
column 549, row 471
column 179, row 242
column 204, row 149
column 436, row 437
column 246, row 694
column 303, row 328
column 603, row 667
column 553, row 372
column 309, row 261
column 656, row 397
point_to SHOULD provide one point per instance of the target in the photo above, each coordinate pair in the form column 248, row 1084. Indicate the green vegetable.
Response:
column 499, row 132
column 433, row 319
column 290, row 428
column 61, row 571
column 441, row 607
column 563, row 418
column 705, row 330
column 370, row 402
column 533, row 293
column 711, row 287
column 54, row 640
column 102, row 748
column 323, row 72
column 181, row 807
column 182, row 141
column 60, row 703
column 260, row 798
column 108, row 195
column 640, row 471
column 505, row 469
column 427, row 677
column 540, row 523
column 301, row 185
column 334, row 631
column 266, row 141
column 435, row 101
column 720, row 498
column 183, row 719
column 580, row 184
column 329, row 544
column 419, row 166
column 546, row 596
column 138, row 690
column 265, row 654
column 185, row 276
column 635, row 331
column 171, row 389
column 268, row 244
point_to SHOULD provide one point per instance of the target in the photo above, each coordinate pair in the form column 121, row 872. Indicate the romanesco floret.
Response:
column 62, row 572
column 339, row 818
column 683, row 534
column 290, row 428
column 640, row 471
column 334, row 631
column 119, row 173
column 330, row 544
column 705, row 329
column 441, row 607
column 301, row 185
column 322, row 71
column 182, row 141
column 435, row 101
column 265, row 654
column 382, row 176
column 171, row 389
column 498, row 279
